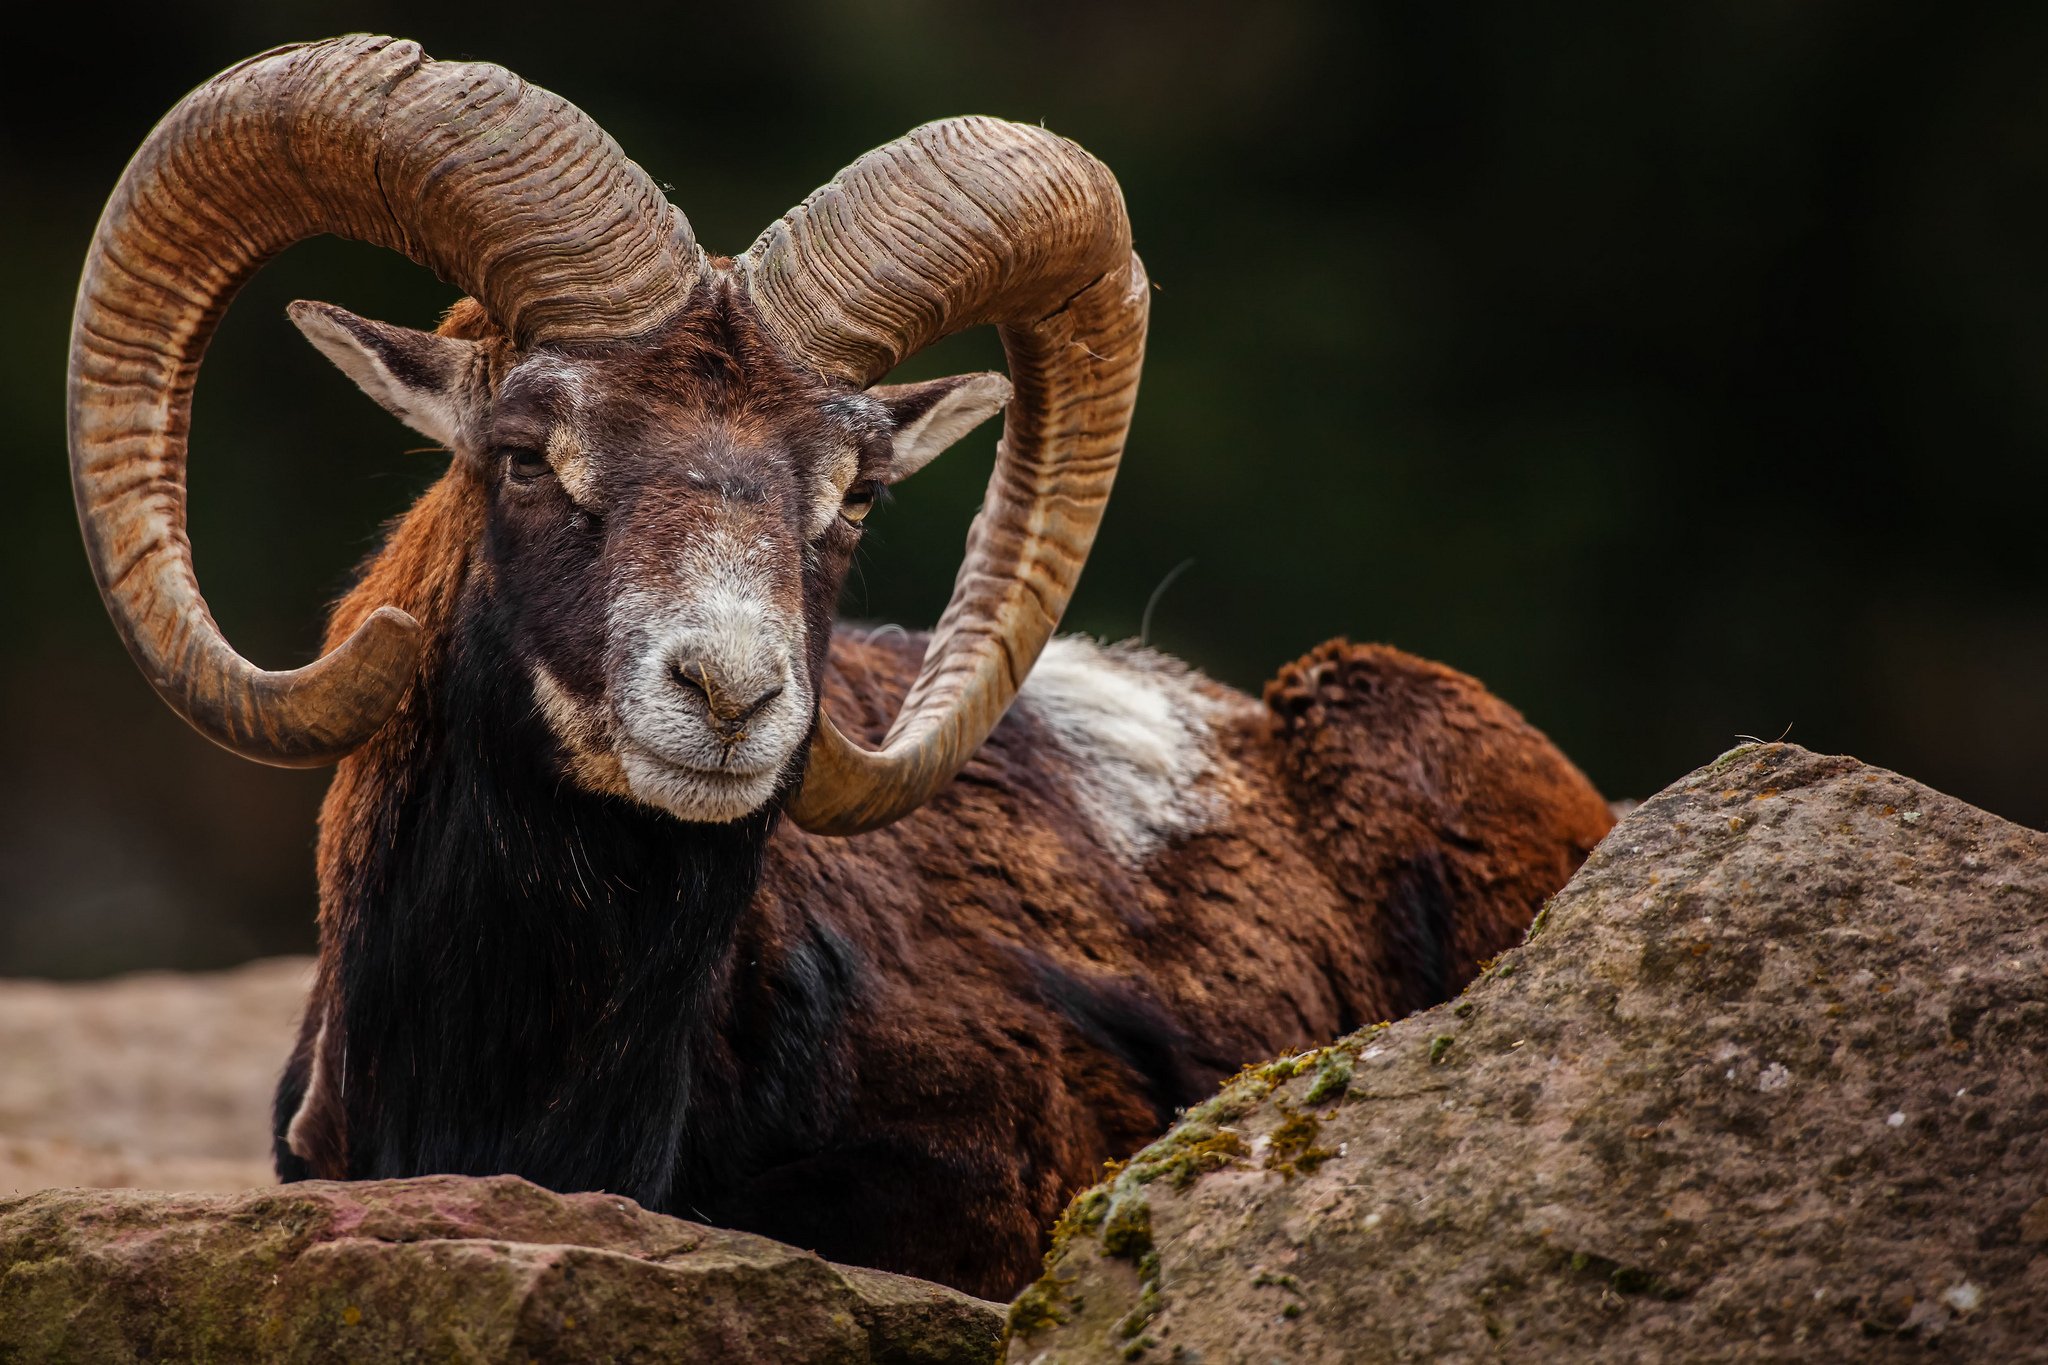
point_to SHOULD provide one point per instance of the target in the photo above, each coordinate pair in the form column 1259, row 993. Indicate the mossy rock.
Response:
column 1768, row 1085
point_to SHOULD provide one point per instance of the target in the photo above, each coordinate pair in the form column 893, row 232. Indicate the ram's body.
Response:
column 907, row 1049
column 607, row 898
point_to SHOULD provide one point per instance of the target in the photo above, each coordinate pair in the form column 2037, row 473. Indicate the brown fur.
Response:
column 419, row 570
column 1374, row 772
column 1030, row 1003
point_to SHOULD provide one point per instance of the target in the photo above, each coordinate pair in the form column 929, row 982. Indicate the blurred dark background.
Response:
column 1680, row 370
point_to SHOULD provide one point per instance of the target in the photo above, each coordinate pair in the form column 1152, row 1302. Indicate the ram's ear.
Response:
column 931, row 416
column 431, row 383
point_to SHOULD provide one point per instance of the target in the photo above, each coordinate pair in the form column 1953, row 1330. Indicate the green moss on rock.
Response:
column 1293, row 1149
column 1040, row 1306
column 1127, row 1232
column 1083, row 1213
column 1192, row 1152
column 1333, row 1078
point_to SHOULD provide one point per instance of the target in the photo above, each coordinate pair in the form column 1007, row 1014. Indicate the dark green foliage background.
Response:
column 1677, row 369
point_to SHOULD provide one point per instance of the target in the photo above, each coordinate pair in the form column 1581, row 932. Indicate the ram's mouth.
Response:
column 731, row 777
column 733, row 768
column 695, row 791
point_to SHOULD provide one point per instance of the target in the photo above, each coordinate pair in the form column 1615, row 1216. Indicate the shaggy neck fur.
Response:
column 521, row 976
column 525, row 990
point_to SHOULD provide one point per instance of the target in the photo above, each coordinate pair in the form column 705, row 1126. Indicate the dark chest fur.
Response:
column 544, row 982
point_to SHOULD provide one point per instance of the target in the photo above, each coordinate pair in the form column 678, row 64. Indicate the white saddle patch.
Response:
column 1137, row 725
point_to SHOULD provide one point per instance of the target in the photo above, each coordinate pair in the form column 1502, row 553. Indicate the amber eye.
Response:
column 860, row 500
column 524, row 465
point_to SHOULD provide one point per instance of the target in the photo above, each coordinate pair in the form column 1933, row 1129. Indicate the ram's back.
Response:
column 1146, row 880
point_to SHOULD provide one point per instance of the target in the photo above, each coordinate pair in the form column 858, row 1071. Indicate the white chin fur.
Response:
column 707, row 797
column 718, row 610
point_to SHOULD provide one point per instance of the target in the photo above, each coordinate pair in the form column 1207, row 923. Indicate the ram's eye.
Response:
column 524, row 465
column 860, row 500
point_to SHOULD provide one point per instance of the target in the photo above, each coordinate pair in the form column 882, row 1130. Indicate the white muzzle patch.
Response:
column 708, row 694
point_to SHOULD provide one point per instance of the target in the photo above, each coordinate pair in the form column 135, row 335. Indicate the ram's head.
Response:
column 666, row 526
column 675, row 451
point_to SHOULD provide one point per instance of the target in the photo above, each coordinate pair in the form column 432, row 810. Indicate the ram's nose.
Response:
column 730, row 699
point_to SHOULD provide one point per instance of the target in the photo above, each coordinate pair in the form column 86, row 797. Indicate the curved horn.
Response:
column 502, row 189
column 969, row 221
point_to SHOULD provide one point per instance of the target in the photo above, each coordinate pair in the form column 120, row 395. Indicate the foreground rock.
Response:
column 157, row 1079
column 1767, row 1083
column 442, row 1268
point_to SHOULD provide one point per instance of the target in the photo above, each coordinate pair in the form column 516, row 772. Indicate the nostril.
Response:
column 694, row 677
column 727, row 715
column 753, row 708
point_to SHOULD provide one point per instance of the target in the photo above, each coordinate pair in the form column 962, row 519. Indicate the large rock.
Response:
column 1766, row 1083
column 441, row 1268
column 157, row 1079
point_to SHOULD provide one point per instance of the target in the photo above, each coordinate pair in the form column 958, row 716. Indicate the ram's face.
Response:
column 668, row 534
column 668, row 527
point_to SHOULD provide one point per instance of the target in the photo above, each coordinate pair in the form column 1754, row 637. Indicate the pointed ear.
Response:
column 929, row 417
column 428, row 382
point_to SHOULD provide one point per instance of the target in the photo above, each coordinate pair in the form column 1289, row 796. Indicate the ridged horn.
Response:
column 504, row 190
column 959, row 223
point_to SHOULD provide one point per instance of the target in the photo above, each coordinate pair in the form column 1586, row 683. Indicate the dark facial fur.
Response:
column 668, row 525
column 665, row 539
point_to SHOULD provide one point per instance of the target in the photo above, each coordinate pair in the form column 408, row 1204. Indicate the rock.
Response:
column 164, row 1080
column 442, row 1268
column 1766, row 1083
column 157, row 1079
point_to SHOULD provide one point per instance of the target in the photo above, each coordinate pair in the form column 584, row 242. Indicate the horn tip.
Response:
column 389, row 635
column 379, row 660
column 334, row 705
